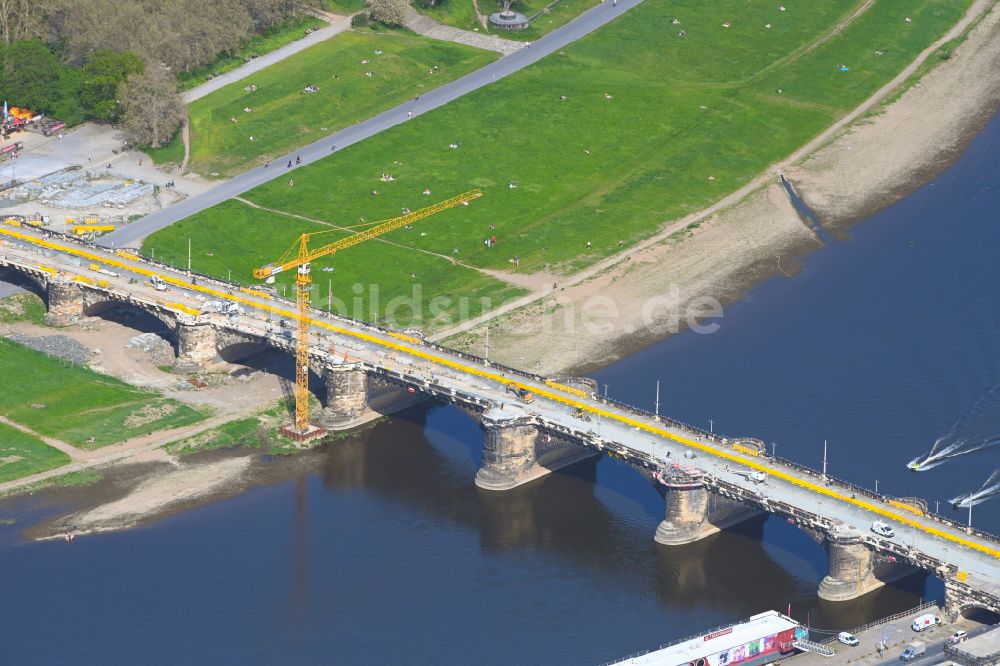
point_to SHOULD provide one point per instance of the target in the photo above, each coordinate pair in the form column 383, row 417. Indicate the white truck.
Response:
column 925, row 621
column 158, row 283
column 913, row 650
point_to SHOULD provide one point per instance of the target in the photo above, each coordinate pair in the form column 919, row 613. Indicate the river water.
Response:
column 379, row 549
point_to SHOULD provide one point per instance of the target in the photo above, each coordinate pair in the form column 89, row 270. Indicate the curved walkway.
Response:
column 527, row 55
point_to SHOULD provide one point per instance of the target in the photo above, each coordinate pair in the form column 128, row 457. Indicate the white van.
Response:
column 925, row 621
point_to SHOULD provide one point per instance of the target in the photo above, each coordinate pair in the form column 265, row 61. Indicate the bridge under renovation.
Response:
column 709, row 482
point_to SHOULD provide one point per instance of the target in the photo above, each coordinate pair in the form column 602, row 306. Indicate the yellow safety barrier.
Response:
column 34, row 223
column 750, row 451
column 12, row 221
column 47, row 269
column 407, row 338
column 81, row 229
column 182, row 308
column 863, row 503
column 83, row 279
column 905, row 507
column 127, row 253
column 568, row 389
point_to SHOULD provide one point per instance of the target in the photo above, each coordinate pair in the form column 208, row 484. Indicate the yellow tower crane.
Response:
column 299, row 256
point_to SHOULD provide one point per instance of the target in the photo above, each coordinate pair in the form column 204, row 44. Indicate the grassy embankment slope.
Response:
column 284, row 33
column 462, row 14
column 21, row 454
column 284, row 117
column 654, row 125
column 79, row 403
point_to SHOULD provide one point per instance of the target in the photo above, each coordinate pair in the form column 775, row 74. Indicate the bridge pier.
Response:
column 65, row 300
column 346, row 394
column 508, row 450
column 195, row 344
column 850, row 570
column 854, row 570
column 693, row 512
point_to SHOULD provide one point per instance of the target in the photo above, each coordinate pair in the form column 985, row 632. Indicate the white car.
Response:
column 957, row 637
column 847, row 638
column 883, row 530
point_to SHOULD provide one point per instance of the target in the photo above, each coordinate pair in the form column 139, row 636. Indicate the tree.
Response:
column 31, row 76
column 21, row 19
column 152, row 110
column 104, row 72
column 389, row 12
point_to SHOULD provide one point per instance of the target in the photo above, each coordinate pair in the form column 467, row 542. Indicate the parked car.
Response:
column 958, row 637
column 925, row 621
column 847, row 638
column 883, row 530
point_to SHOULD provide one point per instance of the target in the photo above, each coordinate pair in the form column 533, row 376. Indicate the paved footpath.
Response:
column 428, row 27
column 527, row 55
column 337, row 25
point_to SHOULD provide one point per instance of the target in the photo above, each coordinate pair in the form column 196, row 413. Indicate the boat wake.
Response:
column 975, row 431
column 987, row 491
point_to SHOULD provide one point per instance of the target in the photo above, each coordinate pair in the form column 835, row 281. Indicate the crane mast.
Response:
column 300, row 258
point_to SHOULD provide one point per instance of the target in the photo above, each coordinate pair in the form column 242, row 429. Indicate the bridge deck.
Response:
column 801, row 495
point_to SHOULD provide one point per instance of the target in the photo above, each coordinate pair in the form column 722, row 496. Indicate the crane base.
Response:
column 310, row 433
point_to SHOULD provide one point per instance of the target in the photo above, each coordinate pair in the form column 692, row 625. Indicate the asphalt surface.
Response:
column 609, row 428
column 557, row 39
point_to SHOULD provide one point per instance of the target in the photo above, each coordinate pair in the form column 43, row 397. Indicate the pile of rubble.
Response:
column 159, row 349
column 60, row 346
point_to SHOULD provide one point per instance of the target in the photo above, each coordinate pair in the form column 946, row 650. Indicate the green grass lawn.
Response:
column 79, row 403
column 654, row 126
column 24, row 306
column 21, row 454
column 284, row 117
column 462, row 14
column 284, row 33
column 374, row 283
column 345, row 7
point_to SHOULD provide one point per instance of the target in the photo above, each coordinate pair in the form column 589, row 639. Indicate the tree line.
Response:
column 116, row 60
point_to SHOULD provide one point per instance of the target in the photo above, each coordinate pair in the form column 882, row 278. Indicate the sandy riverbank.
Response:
column 667, row 284
column 882, row 159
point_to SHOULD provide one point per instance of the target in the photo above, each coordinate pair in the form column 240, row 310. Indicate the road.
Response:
column 612, row 428
column 557, row 39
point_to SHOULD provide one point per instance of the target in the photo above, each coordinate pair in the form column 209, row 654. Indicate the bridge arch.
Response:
column 33, row 284
column 980, row 613
column 260, row 356
column 133, row 316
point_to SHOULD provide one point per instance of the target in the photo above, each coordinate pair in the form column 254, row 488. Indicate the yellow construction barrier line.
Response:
column 182, row 308
column 480, row 372
column 905, row 507
column 568, row 389
column 747, row 450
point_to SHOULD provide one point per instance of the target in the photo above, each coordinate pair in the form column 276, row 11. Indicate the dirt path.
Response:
column 186, row 138
column 526, row 281
column 70, row 450
column 119, row 452
column 768, row 176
